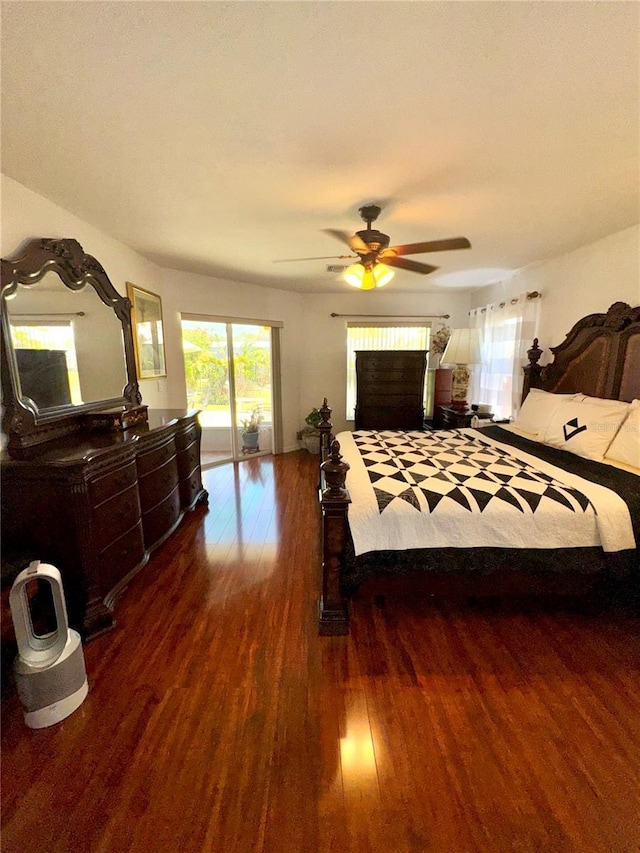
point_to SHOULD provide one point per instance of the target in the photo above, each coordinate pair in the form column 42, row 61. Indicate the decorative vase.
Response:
column 310, row 437
column 250, row 442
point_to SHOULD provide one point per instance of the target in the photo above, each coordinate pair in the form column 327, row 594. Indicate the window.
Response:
column 368, row 336
column 508, row 329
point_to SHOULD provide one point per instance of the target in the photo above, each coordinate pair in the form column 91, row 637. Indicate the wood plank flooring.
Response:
column 218, row 721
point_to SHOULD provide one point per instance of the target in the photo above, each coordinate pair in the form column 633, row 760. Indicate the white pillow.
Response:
column 586, row 426
column 625, row 447
column 537, row 409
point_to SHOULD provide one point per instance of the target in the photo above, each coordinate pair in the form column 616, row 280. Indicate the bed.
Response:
column 550, row 504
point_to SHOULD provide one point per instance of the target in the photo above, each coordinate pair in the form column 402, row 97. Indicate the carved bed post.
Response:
column 333, row 608
column 532, row 371
column 325, row 428
column 326, row 435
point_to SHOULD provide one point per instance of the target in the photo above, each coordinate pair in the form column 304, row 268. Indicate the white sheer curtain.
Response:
column 508, row 329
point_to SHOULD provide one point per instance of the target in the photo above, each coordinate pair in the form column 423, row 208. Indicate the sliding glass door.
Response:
column 228, row 370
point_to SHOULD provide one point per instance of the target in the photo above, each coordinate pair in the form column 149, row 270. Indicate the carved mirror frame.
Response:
column 25, row 425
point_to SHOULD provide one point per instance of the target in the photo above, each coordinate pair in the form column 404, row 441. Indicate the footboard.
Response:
column 334, row 502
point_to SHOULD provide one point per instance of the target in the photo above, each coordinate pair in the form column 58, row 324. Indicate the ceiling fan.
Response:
column 376, row 256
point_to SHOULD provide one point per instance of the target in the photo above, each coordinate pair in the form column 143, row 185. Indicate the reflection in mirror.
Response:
column 68, row 349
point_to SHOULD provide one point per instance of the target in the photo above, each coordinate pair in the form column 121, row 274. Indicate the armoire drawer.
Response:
column 392, row 395
column 391, row 376
column 389, row 417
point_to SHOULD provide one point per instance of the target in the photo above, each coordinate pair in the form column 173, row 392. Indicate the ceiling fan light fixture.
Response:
column 354, row 274
column 366, row 278
column 382, row 274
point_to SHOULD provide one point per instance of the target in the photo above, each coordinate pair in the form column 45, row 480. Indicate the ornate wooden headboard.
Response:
column 599, row 357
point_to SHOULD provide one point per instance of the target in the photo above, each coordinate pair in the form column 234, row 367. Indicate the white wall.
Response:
column 582, row 282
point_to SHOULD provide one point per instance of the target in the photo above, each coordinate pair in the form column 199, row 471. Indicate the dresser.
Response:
column 97, row 505
column 390, row 389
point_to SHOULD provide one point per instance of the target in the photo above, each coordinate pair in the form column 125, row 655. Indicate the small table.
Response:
column 458, row 418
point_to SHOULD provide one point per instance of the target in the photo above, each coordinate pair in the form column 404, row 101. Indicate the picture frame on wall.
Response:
column 148, row 332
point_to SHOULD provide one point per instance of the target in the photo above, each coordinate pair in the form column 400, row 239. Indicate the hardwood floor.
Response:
column 218, row 721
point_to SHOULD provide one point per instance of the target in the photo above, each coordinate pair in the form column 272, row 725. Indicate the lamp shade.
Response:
column 464, row 347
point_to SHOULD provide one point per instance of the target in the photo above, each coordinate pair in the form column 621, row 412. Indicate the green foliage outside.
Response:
column 206, row 369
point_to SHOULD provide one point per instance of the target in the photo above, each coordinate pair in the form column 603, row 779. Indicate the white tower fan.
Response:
column 49, row 669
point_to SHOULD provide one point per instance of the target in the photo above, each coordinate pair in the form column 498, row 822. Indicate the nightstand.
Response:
column 458, row 418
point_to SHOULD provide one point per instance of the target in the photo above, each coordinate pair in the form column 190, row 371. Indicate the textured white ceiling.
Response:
column 216, row 137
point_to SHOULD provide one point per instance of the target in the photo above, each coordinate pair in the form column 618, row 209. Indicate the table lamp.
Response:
column 462, row 350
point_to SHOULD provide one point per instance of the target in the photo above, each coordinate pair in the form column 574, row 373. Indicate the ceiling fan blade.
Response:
column 343, row 236
column 322, row 258
column 431, row 246
column 411, row 266
column 358, row 245
column 352, row 240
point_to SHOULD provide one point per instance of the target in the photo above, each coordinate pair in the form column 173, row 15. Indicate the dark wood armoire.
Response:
column 390, row 389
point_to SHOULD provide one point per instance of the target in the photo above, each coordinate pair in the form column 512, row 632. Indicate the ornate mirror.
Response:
column 67, row 345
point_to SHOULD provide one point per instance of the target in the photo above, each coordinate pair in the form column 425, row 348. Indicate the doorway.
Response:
column 229, row 373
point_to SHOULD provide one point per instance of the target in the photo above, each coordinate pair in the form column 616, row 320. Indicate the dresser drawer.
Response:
column 186, row 437
column 113, row 517
column 121, row 557
column 156, row 485
column 157, row 522
column 151, row 459
column 189, row 458
column 190, row 487
column 105, row 487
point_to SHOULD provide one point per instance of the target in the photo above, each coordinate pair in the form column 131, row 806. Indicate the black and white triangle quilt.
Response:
column 456, row 488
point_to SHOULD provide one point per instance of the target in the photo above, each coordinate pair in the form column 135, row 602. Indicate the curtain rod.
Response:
column 52, row 314
column 397, row 316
